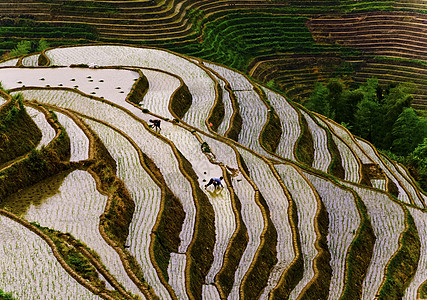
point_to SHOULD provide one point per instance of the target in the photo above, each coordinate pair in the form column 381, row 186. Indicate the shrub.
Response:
column 6, row 296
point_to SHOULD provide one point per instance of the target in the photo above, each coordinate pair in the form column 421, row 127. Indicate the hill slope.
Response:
column 306, row 210
column 288, row 44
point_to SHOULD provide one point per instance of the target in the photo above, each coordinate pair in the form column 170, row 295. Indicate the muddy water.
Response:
column 18, row 203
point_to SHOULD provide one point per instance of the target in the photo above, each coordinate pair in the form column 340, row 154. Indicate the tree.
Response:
column 370, row 89
column 42, row 45
column 408, row 131
column 317, row 101
column 369, row 118
column 420, row 154
column 395, row 101
column 6, row 296
column 335, row 90
column 23, row 47
column 347, row 107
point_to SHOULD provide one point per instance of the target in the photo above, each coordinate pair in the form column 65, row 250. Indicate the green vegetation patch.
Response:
column 270, row 136
column 235, row 250
column 423, row 290
column 235, row 120
column 202, row 245
column 359, row 255
column 217, row 113
column 83, row 7
column 290, row 277
column 139, row 89
column 38, row 165
column 19, row 134
column 235, row 38
column 181, row 101
column 166, row 233
column 265, row 259
column 6, row 296
column 118, row 216
column 335, row 168
column 319, row 288
column 21, row 36
column 304, row 145
column 403, row 265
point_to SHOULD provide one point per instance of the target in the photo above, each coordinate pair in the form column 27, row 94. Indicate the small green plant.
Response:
column 6, row 296
column 196, row 18
column 36, row 161
column 23, row 47
column 42, row 45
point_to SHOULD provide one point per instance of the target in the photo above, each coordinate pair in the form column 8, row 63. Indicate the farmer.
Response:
column 216, row 182
column 156, row 124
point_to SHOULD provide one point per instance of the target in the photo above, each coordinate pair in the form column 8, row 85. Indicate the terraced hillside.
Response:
column 101, row 204
column 288, row 44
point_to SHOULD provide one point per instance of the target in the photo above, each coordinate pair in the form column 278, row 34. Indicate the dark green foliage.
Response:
column 304, row 148
column 270, row 136
column 359, row 256
column 235, row 249
column 408, row 131
column 42, row 45
column 233, row 39
column 6, row 296
column 82, row 6
column 335, row 95
column 166, row 234
column 423, row 290
column 403, row 266
column 345, row 111
column 370, row 111
column 19, row 134
column 36, row 161
column 266, row 259
column 395, row 100
column 196, row 18
column 24, row 35
column 201, row 247
column 420, row 154
column 317, row 101
column 23, row 47
column 369, row 119
column 379, row 114
column 181, row 101
column 416, row 162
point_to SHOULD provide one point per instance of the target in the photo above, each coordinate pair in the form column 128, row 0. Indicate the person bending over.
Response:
column 216, row 182
column 156, row 124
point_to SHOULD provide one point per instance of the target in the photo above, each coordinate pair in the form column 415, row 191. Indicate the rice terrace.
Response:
column 150, row 158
